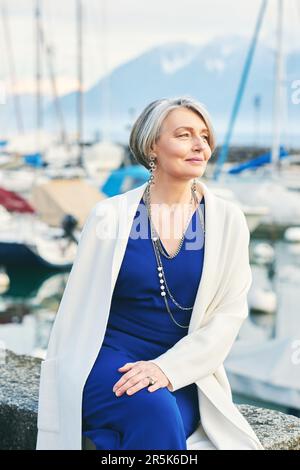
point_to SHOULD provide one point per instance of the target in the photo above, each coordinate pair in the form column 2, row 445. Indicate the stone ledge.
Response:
column 274, row 429
column 19, row 386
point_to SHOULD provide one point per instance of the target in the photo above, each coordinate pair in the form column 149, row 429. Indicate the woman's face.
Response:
column 183, row 136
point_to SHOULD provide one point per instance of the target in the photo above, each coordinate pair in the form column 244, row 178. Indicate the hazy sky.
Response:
column 118, row 30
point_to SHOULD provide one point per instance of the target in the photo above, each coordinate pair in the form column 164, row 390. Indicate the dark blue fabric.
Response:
column 140, row 328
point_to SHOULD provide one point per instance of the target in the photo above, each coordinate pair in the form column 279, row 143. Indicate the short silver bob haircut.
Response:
column 146, row 129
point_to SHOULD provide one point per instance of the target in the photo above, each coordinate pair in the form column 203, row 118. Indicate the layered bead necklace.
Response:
column 159, row 249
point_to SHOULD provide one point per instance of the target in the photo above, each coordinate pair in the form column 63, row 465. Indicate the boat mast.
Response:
column 222, row 157
column 80, row 82
column 38, row 73
column 278, row 91
column 105, row 82
column 52, row 77
column 12, row 70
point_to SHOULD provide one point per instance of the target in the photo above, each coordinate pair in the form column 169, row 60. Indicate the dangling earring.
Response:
column 194, row 189
column 152, row 169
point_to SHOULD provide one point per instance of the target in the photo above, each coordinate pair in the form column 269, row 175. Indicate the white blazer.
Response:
column 218, row 313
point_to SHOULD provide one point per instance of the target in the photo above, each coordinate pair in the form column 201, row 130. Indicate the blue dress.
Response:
column 140, row 328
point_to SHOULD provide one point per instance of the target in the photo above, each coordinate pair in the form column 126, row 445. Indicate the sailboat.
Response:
column 258, row 367
column 25, row 240
column 271, row 180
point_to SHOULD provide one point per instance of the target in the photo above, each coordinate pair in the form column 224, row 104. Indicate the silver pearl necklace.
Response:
column 158, row 249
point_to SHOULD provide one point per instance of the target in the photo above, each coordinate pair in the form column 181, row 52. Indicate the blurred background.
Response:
column 74, row 75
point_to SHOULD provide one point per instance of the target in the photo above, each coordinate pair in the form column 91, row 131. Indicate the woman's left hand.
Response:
column 137, row 378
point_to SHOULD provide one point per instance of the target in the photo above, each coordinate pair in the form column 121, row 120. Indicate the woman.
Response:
column 135, row 357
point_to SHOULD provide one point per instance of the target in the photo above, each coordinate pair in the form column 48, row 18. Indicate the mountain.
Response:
column 210, row 73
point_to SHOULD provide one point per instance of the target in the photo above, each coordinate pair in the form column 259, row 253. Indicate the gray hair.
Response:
column 146, row 129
